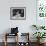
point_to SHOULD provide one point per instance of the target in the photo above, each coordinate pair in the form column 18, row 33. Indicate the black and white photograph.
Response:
column 17, row 13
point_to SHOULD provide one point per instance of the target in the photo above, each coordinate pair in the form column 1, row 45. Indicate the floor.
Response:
column 13, row 44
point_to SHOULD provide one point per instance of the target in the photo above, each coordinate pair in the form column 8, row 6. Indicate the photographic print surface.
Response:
column 17, row 13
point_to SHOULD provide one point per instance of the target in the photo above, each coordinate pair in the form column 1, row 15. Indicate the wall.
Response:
column 24, row 25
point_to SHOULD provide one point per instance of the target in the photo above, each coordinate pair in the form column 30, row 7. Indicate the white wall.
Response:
column 24, row 25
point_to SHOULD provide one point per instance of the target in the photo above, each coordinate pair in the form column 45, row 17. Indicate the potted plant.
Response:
column 39, row 35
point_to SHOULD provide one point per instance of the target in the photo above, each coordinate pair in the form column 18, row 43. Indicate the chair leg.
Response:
column 5, row 43
column 5, row 40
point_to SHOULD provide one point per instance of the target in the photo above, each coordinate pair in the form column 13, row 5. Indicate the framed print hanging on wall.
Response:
column 17, row 13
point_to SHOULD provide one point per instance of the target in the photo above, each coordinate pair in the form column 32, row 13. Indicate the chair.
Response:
column 9, row 37
column 14, row 32
column 26, row 41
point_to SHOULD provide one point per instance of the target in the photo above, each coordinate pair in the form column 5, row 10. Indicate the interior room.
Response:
column 22, row 22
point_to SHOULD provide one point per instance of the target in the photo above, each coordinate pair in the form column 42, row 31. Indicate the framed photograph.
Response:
column 17, row 13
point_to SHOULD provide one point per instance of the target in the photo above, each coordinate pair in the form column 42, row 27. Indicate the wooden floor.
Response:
column 13, row 44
